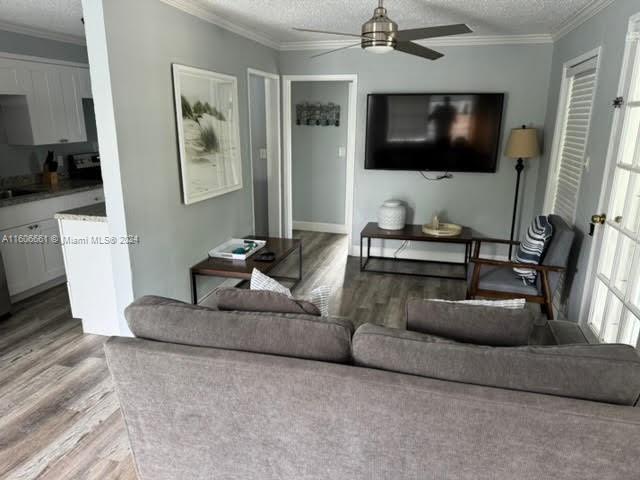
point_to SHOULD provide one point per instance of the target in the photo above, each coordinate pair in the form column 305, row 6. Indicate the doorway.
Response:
column 265, row 147
column 612, row 299
column 319, row 113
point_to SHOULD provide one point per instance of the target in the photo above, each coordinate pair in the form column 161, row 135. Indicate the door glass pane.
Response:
column 629, row 139
column 634, row 295
column 630, row 330
column 612, row 320
column 625, row 252
column 634, row 90
column 631, row 216
column 609, row 247
column 619, row 193
column 597, row 307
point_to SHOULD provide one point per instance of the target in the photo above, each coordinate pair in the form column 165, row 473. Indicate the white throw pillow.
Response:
column 320, row 298
column 260, row 281
column 513, row 304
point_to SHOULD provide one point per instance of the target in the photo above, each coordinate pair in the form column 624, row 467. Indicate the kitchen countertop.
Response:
column 42, row 192
column 91, row 213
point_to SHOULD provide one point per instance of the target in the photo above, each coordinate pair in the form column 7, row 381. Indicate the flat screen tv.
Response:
column 442, row 132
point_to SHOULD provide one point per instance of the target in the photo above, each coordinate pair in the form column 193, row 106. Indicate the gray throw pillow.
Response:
column 470, row 323
column 263, row 301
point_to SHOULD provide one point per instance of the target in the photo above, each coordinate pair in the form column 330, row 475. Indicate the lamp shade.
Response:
column 523, row 143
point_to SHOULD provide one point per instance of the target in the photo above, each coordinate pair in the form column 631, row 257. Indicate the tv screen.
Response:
column 443, row 132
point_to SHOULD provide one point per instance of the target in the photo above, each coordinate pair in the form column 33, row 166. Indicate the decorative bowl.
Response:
column 443, row 230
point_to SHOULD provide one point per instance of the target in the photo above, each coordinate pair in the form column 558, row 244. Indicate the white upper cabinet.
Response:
column 14, row 79
column 41, row 103
column 73, row 81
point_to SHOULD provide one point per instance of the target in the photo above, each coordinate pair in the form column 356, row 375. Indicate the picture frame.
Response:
column 207, row 122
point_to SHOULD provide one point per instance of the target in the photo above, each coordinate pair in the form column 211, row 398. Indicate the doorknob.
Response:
column 596, row 220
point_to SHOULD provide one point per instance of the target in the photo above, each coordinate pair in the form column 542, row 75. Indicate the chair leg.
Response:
column 549, row 309
column 548, row 298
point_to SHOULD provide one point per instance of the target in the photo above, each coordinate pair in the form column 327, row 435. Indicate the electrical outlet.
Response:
column 263, row 154
column 342, row 152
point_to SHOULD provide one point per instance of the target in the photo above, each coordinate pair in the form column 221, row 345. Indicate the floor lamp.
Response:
column 523, row 143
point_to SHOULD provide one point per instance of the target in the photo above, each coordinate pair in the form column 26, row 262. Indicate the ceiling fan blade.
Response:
column 415, row 49
column 336, row 50
column 329, row 33
column 431, row 32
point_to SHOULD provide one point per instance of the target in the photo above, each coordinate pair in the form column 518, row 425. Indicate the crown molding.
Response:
column 590, row 10
column 207, row 15
column 40, row 33
column 434, row 42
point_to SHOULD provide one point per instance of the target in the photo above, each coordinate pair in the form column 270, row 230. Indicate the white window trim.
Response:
column 554, row 158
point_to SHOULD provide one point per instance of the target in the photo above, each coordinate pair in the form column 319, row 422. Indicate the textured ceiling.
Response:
column 55, row 16
column 273, row 19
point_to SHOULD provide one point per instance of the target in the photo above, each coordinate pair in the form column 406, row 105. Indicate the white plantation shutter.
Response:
column 576, row 119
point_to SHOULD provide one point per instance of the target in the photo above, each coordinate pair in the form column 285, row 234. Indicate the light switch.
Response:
column 342, row 152
column 263, row 154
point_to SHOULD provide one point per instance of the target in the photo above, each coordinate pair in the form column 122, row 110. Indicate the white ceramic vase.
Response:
column 392, row 215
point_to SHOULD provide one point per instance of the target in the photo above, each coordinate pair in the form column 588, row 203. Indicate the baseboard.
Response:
column 422, row 254
column 320, row 227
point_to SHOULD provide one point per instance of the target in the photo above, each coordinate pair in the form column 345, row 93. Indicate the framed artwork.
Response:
column 208, row 132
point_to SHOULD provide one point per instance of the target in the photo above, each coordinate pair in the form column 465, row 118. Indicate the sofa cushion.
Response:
column 501, row 279
column 470, row 323
column 263, row 301
column 605, row 373
column 302, row 336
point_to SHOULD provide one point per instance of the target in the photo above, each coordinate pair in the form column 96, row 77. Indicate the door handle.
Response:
column 596, row 220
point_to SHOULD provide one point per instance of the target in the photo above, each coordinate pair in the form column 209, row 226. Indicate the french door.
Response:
column 614, row 314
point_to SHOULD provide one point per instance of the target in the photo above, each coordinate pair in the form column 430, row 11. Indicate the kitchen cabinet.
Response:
column 29, row 264
column 20, row 265
column 13, row 78
column 75, row 86
column 52, row 260
column 42, row 103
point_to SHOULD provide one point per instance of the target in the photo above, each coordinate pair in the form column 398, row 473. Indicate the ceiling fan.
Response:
column 380, row 34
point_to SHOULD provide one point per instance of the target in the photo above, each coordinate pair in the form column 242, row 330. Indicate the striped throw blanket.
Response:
column 532, row 248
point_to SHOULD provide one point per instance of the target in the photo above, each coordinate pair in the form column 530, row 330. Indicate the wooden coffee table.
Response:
column 241, row 269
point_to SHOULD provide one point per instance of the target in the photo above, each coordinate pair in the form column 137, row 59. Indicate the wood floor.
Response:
column 59, row 416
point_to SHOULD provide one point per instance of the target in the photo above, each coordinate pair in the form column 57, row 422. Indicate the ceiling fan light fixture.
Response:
column 378, row 33
column 379, row 49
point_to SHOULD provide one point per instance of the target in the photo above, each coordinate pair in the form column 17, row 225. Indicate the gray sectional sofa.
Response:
column 232, row 395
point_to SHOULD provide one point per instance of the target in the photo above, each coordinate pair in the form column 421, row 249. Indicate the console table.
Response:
column 414, row 233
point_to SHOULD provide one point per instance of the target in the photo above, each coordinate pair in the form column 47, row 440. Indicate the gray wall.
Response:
column 481, row 201
column 15, row 160
column 144, row 38
column 608, row 30
column 318, row 173
column 259, row 141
